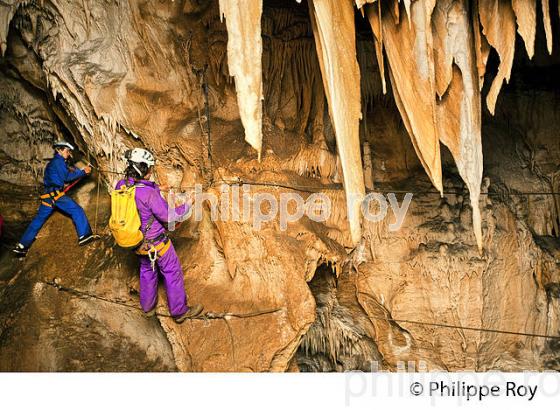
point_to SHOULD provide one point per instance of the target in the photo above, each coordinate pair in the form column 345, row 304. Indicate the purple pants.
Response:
column 170, row 268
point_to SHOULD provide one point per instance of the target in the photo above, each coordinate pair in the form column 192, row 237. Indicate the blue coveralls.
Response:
column 56, row 175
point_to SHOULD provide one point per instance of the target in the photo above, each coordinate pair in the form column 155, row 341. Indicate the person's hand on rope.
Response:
column 182, row 199
column 87, row 169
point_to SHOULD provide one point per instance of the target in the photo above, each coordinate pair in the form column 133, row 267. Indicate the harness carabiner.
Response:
column 153, row 256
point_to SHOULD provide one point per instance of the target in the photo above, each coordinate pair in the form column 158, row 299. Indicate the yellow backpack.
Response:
column 125, row 220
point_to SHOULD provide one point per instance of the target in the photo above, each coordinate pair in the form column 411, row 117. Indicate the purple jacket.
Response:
column 150, row 202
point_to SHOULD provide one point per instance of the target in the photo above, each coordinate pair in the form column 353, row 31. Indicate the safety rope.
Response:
column 209, row 137
column 206, row 316
column 334, row 187
column 207, row 111
column 314, row 189
column 97, row 203
column 449, row 326
column 210, row 315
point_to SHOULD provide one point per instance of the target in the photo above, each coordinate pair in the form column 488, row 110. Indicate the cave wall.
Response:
column 112, row 75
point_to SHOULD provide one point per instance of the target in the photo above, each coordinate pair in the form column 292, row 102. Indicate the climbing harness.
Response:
column 57, row 194
column 153, row 248
column 53, row 196
column 154, row 252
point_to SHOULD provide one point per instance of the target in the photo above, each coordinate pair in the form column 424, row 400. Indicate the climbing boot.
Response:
column 193, row 312
column 84, row 240
column 20, row 251
column 150, row 313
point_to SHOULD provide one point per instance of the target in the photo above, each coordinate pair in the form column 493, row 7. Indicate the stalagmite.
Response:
column 458, row 111
column 409, row 53
column 498, row 22
column 243, row 21
column 526, row 16
column 334, row 32
column 368, row 166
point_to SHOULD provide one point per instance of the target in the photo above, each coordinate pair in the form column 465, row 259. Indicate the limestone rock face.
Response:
column 313, row 97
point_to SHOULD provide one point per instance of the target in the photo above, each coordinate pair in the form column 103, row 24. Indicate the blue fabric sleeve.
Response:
column 70, row 176
column 57, row 173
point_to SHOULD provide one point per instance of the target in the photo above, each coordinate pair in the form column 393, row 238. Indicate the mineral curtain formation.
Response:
column 433, row 51
column 436, row 53
column 432, row 66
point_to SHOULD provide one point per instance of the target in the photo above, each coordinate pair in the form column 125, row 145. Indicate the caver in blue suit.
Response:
column 56, row 175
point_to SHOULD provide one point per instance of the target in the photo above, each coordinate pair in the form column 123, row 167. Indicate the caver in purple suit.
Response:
column 150, row 203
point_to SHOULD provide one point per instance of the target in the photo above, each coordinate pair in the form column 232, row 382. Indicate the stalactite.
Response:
column 395, row 12
column 481, row 46
column 547, row 25
column 371, row 88
column 526, row 16
column 361, row 3
column 333, row 28
column 292, row 81
column 458, row 111
column 431, row 75
column 374, row 17
column 243, row 21
column 498, row 22
column 448, row 61
column 407, row 9
column 315, row 161
column 338, row 334
column 335, row 335
column 409, row 52
column 7, row 10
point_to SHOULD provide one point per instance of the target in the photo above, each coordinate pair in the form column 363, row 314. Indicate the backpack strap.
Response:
column 152, row 218
column 148, row 225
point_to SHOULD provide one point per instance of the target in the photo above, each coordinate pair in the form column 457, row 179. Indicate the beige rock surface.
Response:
column 346, row 294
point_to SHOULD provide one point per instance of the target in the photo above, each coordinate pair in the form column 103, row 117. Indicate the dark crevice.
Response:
column 338, row 340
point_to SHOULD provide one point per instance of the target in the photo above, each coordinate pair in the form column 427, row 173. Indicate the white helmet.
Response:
column 63, row 144
column 140, row 155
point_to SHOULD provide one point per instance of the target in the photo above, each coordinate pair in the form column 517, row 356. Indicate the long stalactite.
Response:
column 458, row 103
column 243, row 20
column 436, row 52
column 409, row 49
column 335, row 39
